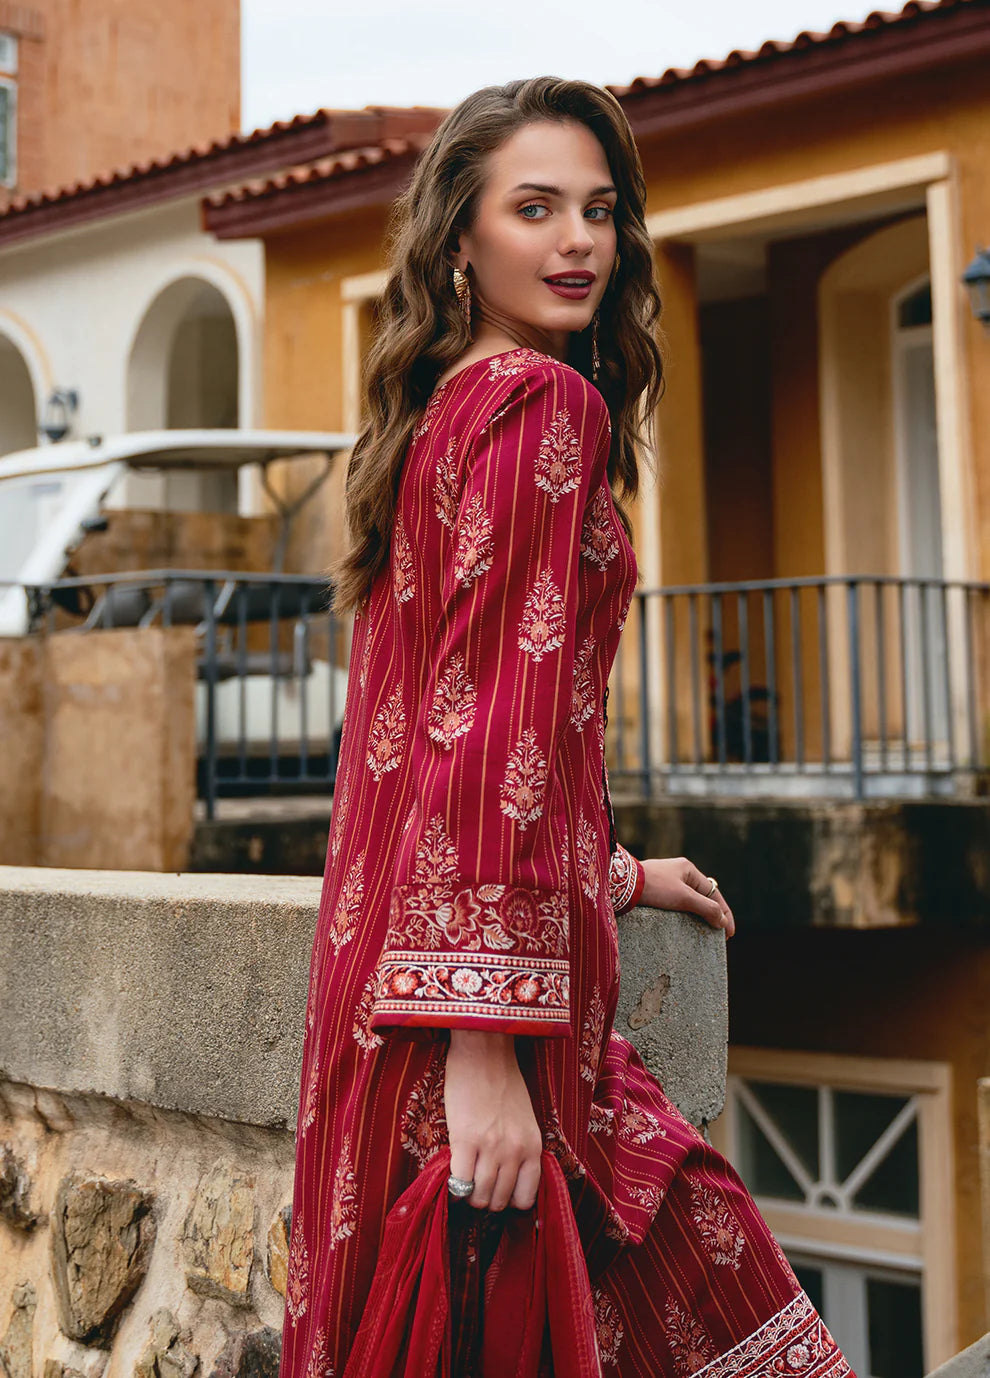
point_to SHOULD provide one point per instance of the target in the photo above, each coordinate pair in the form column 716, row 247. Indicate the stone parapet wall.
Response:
column 150, row 1051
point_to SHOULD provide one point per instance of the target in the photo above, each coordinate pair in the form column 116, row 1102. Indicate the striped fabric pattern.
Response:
column 469, row 884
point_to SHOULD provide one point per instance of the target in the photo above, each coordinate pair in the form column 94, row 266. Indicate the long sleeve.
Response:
column 478, row 921
column 626, row 879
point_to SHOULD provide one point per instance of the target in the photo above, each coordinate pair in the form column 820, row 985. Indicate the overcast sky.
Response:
column 299, row 55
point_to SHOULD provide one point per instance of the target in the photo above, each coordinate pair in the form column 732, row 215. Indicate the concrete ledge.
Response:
column 188, row 992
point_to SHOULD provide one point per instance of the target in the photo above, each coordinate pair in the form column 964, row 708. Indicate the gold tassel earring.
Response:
column 596, row 362
column 462, row 287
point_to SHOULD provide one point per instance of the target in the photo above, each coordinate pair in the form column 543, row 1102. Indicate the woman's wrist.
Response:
column 482, row 1043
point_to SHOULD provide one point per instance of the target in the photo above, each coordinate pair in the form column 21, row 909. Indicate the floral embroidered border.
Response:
column 624, row 877
column 793, row 1342
column 454, row 989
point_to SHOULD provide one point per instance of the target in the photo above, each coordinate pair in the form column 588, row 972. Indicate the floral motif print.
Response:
column 794, row 1343
column 345, row 917
column 558, row 467
column 475, row 543
column 297, row 1273
column 424, row 1123
column 454, row 701
column 341, row 795
column 387, row 736
column 602, row 1119
column 312, row 1093
column 521, row 796
column 429, row 413
column 555, row 1141
column 690, row 1343
column 515, row 361
column 623, row 878
column 436, row 855
column 587, row 858
column 510, row 988
column 319, row 1365
column 365, row 658
column 608, row 1326
column 649, row 1198
column 598, row 539
column 719, row 1230
column 639, row 1126
column 403, row 578
column 583, row 696
column 343, row 1204
column 365, row 1036
column 590, row 1051
column 543, row 622
column 445, row 486
column 500, row 917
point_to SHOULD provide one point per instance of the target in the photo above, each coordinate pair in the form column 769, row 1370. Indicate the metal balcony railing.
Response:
column 271, row 665
column 862, row 686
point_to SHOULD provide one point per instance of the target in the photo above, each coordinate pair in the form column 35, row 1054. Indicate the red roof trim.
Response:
column 812, row 64
column 305, row 139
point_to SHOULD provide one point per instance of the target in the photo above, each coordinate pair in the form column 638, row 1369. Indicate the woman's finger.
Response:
column 505, row 1185
column 485, row 1177
column 527, row 1185
column 708, row 909
column 462, row 1164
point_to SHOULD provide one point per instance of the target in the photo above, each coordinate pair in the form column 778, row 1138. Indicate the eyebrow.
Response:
column 556, row 191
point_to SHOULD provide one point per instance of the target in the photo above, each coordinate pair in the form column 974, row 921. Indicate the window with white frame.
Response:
column 8, row 109
column 849, row 1161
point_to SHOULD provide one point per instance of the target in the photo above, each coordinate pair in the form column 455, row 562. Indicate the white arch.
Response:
column 246, row 316
column 31, row 350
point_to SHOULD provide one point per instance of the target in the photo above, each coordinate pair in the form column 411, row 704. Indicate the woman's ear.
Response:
column 457, row 257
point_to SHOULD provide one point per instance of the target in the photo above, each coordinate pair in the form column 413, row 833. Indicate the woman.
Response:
column 465, row 965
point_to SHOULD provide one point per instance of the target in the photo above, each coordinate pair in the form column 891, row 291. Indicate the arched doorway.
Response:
column 18, row 404
column 183, row 372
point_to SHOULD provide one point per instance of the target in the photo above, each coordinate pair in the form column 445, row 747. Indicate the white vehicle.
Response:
column 53, row 497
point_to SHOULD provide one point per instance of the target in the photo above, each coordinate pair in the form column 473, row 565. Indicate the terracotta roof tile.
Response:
column 774, row 49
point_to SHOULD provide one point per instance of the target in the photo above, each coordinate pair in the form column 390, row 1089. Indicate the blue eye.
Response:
column 605, row 212
column 533, row 206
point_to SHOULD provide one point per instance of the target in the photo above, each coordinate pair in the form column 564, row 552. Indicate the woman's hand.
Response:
column 675, row 883
column 494, row 1137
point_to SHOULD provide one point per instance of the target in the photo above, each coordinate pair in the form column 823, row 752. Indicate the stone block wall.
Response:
column 150, row 1052
column 98, row 767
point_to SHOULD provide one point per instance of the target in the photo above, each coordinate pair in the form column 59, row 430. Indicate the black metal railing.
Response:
column 271, row 665
column 865, row 685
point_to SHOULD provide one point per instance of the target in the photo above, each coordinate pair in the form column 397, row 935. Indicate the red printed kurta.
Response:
column 469, row 884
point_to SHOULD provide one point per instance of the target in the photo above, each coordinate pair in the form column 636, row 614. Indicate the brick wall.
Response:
column 103, row 84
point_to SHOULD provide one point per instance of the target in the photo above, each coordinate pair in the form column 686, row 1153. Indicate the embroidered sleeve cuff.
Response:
column 488, row 957
column 627, row 879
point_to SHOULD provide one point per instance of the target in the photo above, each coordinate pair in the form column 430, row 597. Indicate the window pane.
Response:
column 4, row 132
column 895, row 1329
column 860, row 1119
column 917, row 308
column 813, row 1282
column 794, row 1110
column 894, row 1185
column 759, row 1163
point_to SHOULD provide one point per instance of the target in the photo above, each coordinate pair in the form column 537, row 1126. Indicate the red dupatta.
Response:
column 537, row 1297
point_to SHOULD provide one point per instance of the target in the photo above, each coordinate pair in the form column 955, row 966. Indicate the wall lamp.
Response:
column 56, row 420
column 977, row 280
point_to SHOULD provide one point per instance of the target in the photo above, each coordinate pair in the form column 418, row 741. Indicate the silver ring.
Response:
column 457, row 1186
column 713, row 889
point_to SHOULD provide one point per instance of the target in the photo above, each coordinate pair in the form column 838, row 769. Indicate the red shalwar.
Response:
column 469, row 884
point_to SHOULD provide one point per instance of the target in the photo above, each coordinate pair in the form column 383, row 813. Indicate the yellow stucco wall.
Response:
column 900, row 994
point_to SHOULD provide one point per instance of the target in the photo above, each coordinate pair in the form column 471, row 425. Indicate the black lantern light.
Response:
column 977, row 280
column 57, row 418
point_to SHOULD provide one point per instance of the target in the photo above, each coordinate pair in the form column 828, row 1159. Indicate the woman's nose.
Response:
column 575, row 235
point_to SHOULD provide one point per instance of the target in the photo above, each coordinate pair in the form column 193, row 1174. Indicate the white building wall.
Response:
column 73, row 302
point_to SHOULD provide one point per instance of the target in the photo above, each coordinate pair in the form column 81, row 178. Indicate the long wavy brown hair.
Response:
column 422, row 331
